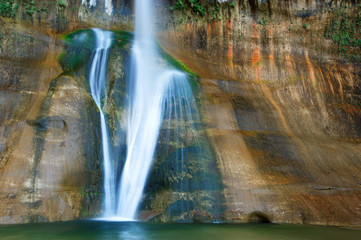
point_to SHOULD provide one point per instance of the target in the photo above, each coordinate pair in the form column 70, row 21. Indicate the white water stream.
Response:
column 97, row 80
column 107, row 4
column 153, row 90
column 149, row 89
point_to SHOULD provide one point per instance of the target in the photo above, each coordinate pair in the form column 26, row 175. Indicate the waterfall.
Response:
column 157, row 96
column 150, row 87
column 97, row 79
column 107, row 4
column 108, row 7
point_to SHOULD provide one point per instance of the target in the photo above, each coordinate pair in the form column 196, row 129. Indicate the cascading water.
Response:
column 97, row 79
column 148, row 90
column 107, row 3
column 158, row 98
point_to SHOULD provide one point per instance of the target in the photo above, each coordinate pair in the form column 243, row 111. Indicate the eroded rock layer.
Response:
column 279, row 94
column 281, row 106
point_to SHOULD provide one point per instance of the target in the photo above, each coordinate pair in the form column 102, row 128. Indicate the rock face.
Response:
column 49, row 159
column 47, row 171
column 279, row 95
column 280, row 104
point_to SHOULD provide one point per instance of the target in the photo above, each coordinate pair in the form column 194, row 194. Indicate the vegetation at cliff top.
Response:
column 344, row 31
column 62, row 3
column 8, row 8
column 196, row 7
column 30, row 7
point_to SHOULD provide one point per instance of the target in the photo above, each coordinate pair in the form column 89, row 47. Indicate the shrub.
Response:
column 62, row 3
column 8, row 8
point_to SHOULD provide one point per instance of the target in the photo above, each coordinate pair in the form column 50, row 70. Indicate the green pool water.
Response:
column 138, row 230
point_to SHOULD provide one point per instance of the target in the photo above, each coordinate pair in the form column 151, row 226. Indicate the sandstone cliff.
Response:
column 279, row 95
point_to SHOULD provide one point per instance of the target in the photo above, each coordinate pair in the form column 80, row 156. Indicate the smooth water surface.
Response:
column 138, row 230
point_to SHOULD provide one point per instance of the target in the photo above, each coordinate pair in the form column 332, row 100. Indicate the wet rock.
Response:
column 279, row 103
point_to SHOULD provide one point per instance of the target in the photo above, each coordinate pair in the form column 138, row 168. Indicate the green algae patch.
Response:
column 78, row 50
column 80, row 44
column 177, row 64
column 121, row 39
